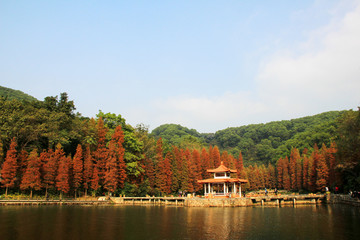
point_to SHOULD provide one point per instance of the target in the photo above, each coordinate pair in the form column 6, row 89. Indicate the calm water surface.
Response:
column 164, row 222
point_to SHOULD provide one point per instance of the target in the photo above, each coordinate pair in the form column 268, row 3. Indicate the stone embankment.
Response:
column 275, row 200
column 344, row 199
column 52, row 202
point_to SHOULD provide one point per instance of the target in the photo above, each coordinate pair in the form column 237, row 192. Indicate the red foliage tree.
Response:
column 163, row 177
column 95, row 180
column 271, row 176
column 118, row 138
column 299, row 174
column 322, row 171
column 50, row 167
column 196, row 168
column 63, row 176
column 101, row 153
column 240, row 167
column 9, row 168
column 184, row 178
column 286, row 176
column 305, row 168
column 112, row 169
column 150, row 171
column 205, row 163
column 78, row 168
column 313, row 161
column 88, row 169
column 294, row 157
column 331, row 161
column 279, row 170
column 32, row 176
column 225, row 158
column 216, row 156
column 22, row 160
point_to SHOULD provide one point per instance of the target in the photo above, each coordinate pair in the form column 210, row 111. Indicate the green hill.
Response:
column 15, row 94
column 262, row 143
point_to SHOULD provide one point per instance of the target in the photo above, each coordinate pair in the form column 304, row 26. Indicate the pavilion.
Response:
column 222, row 185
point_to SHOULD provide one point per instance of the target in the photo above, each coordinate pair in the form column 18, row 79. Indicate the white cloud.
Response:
column 319, row 75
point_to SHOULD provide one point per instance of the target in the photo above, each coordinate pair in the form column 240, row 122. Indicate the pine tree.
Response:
column 9, row 168
column 32, row 176
column 78, row 167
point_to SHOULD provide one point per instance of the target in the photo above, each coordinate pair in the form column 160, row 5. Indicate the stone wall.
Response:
column 344, row 199
column 220, row 202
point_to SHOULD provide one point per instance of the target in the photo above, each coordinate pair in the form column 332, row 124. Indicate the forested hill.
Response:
column 260, row 143
column 15, row 94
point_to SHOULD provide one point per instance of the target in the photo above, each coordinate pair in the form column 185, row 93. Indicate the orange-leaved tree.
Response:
column 32, row 177
column 78, row 167
column 8, row 171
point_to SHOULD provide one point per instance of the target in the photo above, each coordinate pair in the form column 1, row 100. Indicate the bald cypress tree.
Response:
column 163, row 176
column 32, row 177
column 9, row 168
column 88, row 169
column 78, row 168
column 63, row 176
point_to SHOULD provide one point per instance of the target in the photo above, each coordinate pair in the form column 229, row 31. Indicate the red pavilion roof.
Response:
column 223, row 180
column 221, row 168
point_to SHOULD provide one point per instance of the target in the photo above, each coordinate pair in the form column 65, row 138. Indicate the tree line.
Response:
column 48, row 148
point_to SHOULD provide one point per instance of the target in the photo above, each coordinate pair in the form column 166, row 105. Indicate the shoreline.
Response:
column 273, row 200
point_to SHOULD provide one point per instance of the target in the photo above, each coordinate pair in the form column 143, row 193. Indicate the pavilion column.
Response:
column 224, row 189
column 234, row 188
column 240, row 189
column 204, row 189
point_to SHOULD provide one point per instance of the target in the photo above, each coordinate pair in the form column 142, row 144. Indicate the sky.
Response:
column 206, row 65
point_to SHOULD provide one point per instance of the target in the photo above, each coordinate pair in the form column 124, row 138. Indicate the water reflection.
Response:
column 170, row 222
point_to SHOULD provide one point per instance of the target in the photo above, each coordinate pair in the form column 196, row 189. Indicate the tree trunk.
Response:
column 6, row 191
column 46, row 193
column 31, row 194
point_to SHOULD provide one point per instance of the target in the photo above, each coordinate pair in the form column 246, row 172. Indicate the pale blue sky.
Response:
column 206, row 65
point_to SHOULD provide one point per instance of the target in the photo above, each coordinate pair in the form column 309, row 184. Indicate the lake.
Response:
column 170, row 222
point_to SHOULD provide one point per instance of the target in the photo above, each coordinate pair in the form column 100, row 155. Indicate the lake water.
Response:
column 165, row 222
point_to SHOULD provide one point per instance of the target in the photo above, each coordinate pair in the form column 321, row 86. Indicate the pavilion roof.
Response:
column 221, row 168
column 223, row 180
